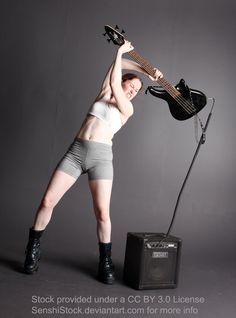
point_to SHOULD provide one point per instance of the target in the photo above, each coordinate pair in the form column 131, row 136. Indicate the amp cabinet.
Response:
column 152, row 260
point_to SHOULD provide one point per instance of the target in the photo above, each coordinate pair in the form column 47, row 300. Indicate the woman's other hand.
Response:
column 157, row 75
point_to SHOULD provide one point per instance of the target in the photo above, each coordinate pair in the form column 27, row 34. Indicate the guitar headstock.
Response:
column 116, row 37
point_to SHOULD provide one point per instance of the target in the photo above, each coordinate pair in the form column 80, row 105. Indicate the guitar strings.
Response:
column 177, row 95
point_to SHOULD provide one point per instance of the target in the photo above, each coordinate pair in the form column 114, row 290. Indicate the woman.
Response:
column 91, row 152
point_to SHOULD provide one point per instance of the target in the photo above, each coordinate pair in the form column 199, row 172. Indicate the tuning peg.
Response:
column 109, row 40
column 116, row 27
column 104, row 34
column 122, row 32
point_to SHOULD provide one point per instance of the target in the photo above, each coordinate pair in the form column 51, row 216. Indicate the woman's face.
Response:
column 131, row 87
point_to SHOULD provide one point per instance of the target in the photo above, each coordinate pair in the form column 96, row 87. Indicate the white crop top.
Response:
column 107, row 113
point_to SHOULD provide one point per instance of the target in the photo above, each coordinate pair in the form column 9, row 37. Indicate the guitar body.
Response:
column 195, row 97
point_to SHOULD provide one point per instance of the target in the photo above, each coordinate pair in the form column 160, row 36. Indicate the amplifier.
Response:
column 152, row 260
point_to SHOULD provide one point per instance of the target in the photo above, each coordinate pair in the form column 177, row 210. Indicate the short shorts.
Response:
column 87, row 156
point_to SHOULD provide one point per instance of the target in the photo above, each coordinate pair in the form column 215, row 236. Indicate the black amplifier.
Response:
column 152, row 260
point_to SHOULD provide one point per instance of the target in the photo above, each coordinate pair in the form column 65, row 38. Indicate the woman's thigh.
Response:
column 59, row 184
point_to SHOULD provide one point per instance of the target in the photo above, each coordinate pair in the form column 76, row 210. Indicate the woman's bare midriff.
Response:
column 95, row 129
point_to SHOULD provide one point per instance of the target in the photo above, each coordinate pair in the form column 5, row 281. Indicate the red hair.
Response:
column 130, row 76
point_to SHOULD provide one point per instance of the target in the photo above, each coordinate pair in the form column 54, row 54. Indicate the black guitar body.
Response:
column 193, row 96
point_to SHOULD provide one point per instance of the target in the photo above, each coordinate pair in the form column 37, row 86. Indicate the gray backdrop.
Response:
column 53, row 59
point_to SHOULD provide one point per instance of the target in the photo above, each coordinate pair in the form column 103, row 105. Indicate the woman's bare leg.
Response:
column 101, row 193
column 59, row 184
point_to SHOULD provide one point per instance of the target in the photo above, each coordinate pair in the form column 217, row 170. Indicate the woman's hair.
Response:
column 130, row 76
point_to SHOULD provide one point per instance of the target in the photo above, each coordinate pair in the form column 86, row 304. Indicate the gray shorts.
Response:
column 86, row 156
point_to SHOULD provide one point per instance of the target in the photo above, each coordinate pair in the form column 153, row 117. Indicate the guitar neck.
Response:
column 151, row 71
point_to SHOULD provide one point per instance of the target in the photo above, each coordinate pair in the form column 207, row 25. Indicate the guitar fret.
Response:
column 145, row 65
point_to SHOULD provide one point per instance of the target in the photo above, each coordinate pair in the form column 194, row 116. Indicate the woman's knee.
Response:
column 48, row 201
column 103, row 215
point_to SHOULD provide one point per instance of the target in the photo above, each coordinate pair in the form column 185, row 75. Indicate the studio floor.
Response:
column 66, row 286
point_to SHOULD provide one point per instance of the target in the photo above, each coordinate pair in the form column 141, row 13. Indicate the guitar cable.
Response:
column 200, row 142
column 196, row 120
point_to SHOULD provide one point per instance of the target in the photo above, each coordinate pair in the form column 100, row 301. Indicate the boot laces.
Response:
column 33, row 247
column 108, row 265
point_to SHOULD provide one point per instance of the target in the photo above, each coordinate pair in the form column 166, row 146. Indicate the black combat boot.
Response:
column 32, row 251
column 105, row 267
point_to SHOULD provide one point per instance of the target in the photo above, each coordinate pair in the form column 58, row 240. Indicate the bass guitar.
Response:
column 184, row 102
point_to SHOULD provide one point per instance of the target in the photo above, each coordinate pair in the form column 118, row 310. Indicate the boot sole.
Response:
column 30, row 272
column 106, row 280
column 109, row 282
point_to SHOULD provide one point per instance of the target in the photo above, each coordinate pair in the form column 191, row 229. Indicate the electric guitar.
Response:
column 184, row 102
